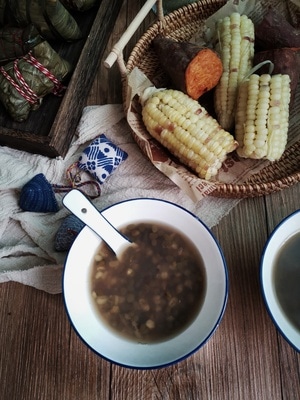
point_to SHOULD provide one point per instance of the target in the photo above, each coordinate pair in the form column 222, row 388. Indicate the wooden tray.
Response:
column 50, row 129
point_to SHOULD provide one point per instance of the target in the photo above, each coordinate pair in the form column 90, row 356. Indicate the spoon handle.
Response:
column 76, row 202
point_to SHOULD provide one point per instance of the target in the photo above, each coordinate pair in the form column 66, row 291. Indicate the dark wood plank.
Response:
column 107, row 87
column 41, row 356
column 50, row 129
column 251, row 336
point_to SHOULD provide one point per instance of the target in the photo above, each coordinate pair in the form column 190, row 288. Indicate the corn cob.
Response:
column 186, row 129
column 262, row 116
column 235, row 45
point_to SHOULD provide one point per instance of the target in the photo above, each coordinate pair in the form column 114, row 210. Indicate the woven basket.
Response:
column 183, row 24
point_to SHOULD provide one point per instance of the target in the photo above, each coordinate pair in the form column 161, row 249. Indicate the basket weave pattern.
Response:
column 183, row 24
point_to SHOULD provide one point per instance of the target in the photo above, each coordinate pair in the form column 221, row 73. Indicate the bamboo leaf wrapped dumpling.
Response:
column 50, row 17
column 25, row 81
column 16, row 42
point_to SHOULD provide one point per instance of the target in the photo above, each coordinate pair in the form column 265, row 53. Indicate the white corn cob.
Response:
column 186, row 129
column 262, row 116
column 235, row 45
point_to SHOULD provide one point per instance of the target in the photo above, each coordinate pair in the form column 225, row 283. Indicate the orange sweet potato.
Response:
column 192, row 69
column 286, row 61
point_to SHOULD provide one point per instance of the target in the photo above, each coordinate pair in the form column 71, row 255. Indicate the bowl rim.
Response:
column 213, row 328
column 279, row 328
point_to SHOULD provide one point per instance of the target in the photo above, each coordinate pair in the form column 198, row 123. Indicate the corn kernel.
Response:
column 190, row 133
column 235, row 44
column 261, row 128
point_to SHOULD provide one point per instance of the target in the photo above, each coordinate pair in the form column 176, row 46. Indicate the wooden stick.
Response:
column 118, row 48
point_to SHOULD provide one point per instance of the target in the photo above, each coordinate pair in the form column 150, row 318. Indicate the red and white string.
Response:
column 21, row 85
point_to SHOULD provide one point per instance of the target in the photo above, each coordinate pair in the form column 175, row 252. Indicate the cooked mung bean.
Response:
column 155, row 290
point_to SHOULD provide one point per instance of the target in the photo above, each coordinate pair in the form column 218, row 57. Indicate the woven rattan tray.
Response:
column 183, row 24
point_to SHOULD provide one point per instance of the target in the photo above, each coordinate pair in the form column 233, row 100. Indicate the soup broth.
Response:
column 157, row 287
column 287, row 279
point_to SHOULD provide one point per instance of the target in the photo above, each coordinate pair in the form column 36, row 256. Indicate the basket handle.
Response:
column 116, row 53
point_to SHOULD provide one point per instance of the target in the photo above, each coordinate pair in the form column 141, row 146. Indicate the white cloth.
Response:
column 27, row 253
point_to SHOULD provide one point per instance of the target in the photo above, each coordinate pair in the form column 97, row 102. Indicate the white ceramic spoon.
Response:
column 81, row 206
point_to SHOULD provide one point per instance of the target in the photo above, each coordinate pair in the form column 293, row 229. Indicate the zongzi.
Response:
column 50, row 17
column 16, row 42
column 25, row 81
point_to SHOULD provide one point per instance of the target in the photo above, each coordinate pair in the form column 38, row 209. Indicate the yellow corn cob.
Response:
column 235, row 45
column 262, row 116
column 186, row 129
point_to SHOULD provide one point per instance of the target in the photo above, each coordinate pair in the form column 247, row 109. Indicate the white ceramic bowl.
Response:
column 102, row 340
column 282, row 232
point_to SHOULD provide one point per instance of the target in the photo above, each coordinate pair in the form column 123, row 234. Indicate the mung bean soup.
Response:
column 156, row 288
column 287, row 279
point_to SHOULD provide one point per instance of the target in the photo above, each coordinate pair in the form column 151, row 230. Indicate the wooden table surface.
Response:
column 41, row 357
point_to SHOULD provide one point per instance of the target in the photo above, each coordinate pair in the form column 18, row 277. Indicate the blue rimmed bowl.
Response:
column 284, row 231
column 107, row 343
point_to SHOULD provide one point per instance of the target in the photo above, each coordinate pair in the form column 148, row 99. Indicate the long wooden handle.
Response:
column 118, row 48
